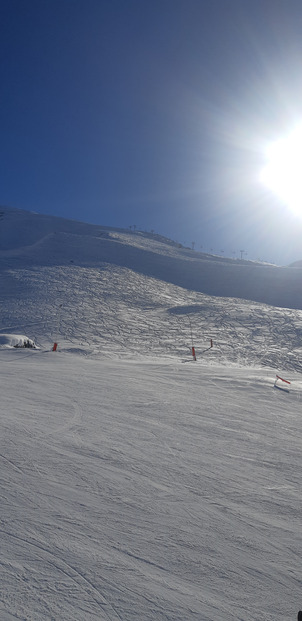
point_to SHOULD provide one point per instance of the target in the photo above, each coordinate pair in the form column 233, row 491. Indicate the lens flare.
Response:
column 283, row 171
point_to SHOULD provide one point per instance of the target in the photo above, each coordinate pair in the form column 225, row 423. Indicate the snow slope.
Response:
column 27, row 240
column 137, row 484
column 122, row 294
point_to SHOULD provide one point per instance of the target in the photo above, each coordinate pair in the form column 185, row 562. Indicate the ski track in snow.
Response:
column 148, row 491
column 85, row 309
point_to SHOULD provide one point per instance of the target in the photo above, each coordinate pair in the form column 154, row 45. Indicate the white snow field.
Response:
column 137, row 484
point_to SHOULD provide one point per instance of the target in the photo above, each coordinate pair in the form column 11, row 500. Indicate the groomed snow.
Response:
column 148, row 490
column 135, row 483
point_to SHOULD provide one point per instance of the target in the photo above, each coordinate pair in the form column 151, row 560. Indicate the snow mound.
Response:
column 16, row 340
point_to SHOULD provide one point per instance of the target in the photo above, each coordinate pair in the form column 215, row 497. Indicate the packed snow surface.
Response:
column 148, row 490
column 137, row 484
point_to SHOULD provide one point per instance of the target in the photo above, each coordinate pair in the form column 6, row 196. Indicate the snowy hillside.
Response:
column 137, row 484
column 130, row 293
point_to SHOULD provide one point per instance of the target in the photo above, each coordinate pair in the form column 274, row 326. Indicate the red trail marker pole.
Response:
column 193, row 348
column 284, row 381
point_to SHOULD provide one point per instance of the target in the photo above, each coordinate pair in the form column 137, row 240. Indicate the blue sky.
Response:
column 152, row 112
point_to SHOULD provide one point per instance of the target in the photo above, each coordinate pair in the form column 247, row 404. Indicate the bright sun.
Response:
column 283, row 171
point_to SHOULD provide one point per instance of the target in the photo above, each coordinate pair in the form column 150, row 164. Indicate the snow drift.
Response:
column 16, row 340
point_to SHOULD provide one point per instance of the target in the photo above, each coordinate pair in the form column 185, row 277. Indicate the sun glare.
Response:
column 283, row 171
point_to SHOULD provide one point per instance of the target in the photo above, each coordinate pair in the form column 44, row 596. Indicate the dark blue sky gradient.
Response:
column 154, row 113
